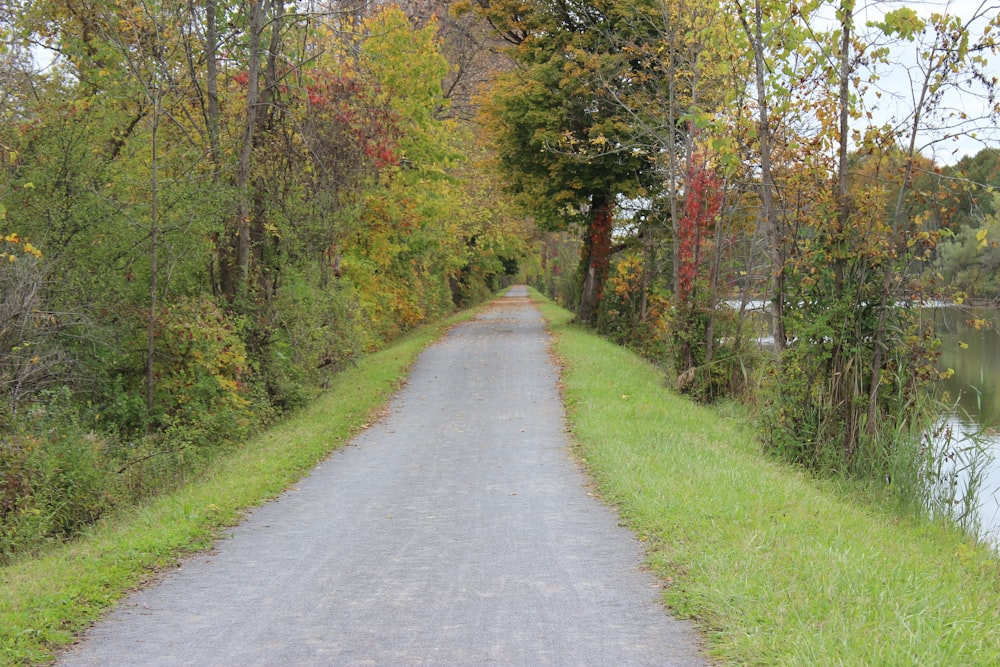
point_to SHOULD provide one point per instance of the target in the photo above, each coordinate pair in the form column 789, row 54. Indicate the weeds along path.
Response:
column 456, row 531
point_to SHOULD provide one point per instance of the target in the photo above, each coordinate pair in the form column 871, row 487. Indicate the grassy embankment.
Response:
column 776, row 568
column 45, row 600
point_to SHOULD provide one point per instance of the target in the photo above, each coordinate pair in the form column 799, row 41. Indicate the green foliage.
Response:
column 556, row 274
column 775, row 567
column 48, row 599
column 200, row 375
column 319, row 332
column 30, row 359
column 54, row 476
column 969, row 260
column 704, row 376
column 363, row 214
column 408, row 64
column 823, row 419
column 632, row 313
column 561, row 134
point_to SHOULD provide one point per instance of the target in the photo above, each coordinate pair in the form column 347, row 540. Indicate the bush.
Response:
column 316, row 332
column 202, row 384
column 201, row 376
column 819, row 413
column 54, row 476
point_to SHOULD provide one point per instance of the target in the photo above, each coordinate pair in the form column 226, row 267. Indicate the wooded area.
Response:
column 724, row 153
column 208, row 206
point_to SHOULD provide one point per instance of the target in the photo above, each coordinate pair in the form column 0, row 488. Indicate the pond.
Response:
column 970, row 345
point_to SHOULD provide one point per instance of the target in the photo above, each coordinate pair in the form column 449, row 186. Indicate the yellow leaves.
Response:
column 460, row 8
column 962, row 344
column 922, row 237
column 947, row 374
column 981, row 239
column 904, row 22
column 15, row 239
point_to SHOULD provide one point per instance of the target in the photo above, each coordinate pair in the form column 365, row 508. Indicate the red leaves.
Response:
column 315, row 98
column 701, row 206
column 349, row 112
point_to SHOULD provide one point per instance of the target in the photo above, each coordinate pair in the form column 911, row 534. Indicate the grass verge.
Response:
column 775, row 567
column 46, row 600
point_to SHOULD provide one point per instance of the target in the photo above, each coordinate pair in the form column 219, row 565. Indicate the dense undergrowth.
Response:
column 776, row 566
column 899, row 453
column 176, row 276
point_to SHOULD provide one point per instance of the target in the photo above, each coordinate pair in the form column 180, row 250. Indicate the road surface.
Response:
column 457, row 531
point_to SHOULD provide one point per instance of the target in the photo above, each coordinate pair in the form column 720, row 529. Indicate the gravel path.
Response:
column 457, row 531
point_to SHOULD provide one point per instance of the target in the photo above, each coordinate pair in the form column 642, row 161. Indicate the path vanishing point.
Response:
column 456, row 531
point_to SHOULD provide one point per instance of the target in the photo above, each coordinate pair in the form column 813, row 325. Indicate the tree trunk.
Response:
column 212, row 84
column 596, row 257
column 153, row 233
column 244, row 205
column 841, row 378
column 769, row 215
column 265, row 124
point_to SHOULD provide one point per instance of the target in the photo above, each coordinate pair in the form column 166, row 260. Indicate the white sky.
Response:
column 900, row 85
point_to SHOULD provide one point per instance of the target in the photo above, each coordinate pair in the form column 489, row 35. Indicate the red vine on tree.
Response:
column 701, row 207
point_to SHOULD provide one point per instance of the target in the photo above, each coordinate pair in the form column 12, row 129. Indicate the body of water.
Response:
column 970, row 345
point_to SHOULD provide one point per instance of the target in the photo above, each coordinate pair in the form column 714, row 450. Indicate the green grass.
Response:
column 775, row 567
column 46, row 600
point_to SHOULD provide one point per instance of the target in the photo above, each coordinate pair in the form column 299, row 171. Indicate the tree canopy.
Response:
column 208, row 207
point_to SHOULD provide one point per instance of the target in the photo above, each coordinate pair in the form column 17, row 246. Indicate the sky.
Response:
column 900, row 84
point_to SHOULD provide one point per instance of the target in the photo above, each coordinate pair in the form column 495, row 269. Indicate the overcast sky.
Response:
column 900, row 85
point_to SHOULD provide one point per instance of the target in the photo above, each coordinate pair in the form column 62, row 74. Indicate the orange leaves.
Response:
column 14, row 246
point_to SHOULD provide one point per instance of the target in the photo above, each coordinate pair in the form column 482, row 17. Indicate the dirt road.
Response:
column 457, row 531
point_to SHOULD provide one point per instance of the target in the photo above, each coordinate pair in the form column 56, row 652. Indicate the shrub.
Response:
column 201, row 375
column 54, row 475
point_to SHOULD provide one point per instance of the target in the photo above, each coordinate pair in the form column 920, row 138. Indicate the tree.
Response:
column 563, row 141
column 861, row 360
column 969, row 260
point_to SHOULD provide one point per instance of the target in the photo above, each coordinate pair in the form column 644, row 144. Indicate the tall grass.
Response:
column 776, row 567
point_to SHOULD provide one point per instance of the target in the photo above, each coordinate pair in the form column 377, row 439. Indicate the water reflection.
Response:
column 970, row 345
column 974, row 354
